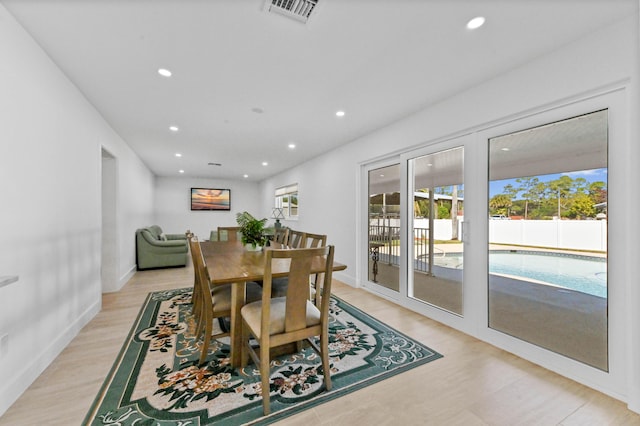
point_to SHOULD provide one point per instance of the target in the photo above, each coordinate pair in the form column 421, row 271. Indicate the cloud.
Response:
column 591, row 173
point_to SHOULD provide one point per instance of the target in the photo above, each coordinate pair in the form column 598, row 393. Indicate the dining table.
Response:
column 229, row 262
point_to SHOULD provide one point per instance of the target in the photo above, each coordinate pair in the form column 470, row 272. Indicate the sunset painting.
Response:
column 210, row 199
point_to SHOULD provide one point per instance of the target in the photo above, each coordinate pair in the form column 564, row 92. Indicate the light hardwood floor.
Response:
column 474, row 384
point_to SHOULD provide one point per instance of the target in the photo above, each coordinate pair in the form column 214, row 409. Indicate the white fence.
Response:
column 562, row 234
column 442, row 228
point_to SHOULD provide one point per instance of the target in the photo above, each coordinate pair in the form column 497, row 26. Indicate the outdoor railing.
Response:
column 386, row 241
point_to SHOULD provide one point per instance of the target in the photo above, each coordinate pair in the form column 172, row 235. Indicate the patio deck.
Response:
column 563, row 321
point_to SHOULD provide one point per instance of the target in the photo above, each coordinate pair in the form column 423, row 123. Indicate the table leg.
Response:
column 238, row 294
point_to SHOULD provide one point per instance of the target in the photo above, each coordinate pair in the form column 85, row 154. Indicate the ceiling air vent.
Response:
column 300, row 10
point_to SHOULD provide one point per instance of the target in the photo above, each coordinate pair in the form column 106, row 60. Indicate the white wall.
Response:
column 50, row 208
column 326, row 197
column 135, row 201
column 173, row 209
column 328, row 193
column 329, row 185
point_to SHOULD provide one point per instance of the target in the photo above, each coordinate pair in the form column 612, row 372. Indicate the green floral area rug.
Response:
column 156, row 379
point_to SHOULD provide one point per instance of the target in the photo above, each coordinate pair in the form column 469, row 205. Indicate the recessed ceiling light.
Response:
column 181, row 171
column 264, row 163
column 164, row 72
column 245, row 176
column 292, row 145
column 504, row 149
column 178, row 154
column 476, row 22
column 340, row 114
column 174, row 128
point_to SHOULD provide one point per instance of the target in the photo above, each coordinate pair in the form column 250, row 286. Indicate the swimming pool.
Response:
column 587, row 274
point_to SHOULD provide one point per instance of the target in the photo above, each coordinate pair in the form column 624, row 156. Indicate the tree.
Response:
column 598, row 192
column 443, row 211
column 580, row 185
column 581, row 206
column 529, row 186
column 421, row 204
column 560, row 189
column 511, row 191
column 500, row 204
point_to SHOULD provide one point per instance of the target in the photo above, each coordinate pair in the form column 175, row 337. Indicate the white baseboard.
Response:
column 11, row 391
column 345, row 278
column 123, row 280
column 126, row 277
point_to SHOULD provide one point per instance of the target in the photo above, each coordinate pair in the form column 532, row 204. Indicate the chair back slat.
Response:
column 281, row 236
column 300, row 267
column 297, row 293
column 228, row 233
column 315, row 240
column 201, row 274
column 297, row 239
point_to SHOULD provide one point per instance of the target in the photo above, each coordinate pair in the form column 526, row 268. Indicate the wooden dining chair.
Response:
column 214, row 303
column 297, row 239
column 313, row 241
column 228, row 233
column 195, row 294
column 301, row 240
column 281, row 236
column 288, row 319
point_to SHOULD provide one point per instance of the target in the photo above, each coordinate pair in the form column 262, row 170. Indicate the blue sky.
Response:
column 595, row 175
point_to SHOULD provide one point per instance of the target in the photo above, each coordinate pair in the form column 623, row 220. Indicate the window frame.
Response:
column 287, row 192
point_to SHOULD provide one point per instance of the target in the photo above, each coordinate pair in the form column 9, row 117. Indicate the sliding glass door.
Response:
column 547, row 215
column 383, row 231
column 435, row 243
column 502, row 233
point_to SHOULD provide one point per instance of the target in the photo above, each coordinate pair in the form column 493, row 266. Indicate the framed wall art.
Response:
column 210, row 199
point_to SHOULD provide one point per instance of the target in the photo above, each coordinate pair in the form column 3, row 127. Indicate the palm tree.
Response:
column 500, row 204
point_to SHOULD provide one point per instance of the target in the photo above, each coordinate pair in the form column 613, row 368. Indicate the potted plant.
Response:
column 252, row 230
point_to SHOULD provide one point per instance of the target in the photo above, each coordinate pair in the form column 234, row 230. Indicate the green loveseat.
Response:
column 154, row 249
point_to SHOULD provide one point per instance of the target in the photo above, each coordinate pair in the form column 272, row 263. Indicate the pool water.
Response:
column 586, row 274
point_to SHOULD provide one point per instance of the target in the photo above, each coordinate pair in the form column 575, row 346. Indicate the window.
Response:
column 286, row 198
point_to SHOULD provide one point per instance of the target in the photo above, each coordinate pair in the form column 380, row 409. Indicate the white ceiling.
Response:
column 377, row 60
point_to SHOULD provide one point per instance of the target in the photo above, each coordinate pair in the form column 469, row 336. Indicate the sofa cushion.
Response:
column 155, row 231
